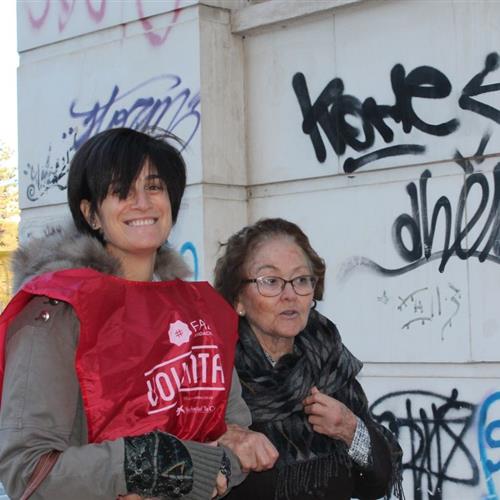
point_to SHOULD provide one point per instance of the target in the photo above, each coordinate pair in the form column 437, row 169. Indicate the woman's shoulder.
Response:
column 47, row 316
column 65, row 248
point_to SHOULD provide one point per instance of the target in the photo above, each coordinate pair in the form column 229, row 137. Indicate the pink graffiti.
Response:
column 65, row 13
column 66, row 8
column 96, row 14
column 154, row 38
column 37, row 22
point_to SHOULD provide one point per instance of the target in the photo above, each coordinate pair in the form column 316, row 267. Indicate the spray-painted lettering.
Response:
column 434, row 426
column 174, row 108
column 330, row 111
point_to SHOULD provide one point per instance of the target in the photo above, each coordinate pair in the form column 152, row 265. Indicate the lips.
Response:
column 289, row 313
column 141, row 222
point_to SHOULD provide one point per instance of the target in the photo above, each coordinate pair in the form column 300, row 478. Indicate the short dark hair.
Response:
column 116, row 157
column 229, row 269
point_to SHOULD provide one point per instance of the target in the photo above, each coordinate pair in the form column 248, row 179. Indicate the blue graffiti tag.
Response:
column 135, row 108
column 147, row 112
column 486, row 441
column 189, row 247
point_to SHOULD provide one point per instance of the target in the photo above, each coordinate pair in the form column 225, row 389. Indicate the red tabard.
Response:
column 151, row 355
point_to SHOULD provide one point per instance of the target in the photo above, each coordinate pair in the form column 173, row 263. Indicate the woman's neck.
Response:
column 136, row 267
column 274, row 346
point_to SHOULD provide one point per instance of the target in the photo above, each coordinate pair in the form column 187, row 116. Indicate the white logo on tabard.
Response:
column 179, row 333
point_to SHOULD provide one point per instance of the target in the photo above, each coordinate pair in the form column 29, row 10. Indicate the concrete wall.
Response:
column 373, row 124
column 89, row 66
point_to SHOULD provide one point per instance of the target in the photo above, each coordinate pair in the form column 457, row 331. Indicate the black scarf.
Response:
column 274, row 395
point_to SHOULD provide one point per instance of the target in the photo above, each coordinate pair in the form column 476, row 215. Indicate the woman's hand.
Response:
column 330, row 417
column 220, row 485
column 254, row 451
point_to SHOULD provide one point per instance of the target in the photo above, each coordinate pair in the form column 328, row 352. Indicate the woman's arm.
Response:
column 42, row 410
column 383, row 475
column 237, row 414
column 373, row 477
column 375, row 480
column 246, row 449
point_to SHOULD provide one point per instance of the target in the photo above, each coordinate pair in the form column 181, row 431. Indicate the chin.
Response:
column 146, row 249
column 289, row 334
column 293, row 329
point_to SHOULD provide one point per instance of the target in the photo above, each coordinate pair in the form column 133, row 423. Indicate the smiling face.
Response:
column 134, row 227
column 284, row 316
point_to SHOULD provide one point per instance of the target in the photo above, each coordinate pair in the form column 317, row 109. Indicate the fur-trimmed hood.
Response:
column 68, row 249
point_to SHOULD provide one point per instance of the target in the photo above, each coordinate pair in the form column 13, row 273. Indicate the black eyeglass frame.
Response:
column 284, row 282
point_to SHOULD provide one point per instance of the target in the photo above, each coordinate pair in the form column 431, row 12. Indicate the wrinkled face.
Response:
column 138, row 225
column 286, row 314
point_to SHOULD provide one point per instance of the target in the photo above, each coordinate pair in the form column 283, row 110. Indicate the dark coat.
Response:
column 365, row 484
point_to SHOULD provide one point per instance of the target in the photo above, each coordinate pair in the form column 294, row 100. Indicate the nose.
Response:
column 140, row 199
column 288, row 292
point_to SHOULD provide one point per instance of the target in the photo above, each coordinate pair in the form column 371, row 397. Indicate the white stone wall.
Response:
column 374, row 124
column 376, row 127
column 89, row 66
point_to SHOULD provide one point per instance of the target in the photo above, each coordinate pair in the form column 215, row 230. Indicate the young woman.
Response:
column 117, row 376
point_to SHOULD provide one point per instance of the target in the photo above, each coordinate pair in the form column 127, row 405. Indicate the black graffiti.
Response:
column 475, row 87
column 332, row 107
column 331, row 110
column 426, row 305
column 419, row 248
column 51, row 174
column 436, row 438
column 422, row 234
column 466, row 163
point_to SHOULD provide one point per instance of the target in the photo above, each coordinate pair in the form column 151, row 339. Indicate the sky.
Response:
column 9, row 61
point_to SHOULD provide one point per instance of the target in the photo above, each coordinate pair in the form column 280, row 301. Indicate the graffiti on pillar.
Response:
column 329, row 114
column 332, row 108
column 38, row 16
column 188, row 248
column 138, row 109
column 489, row 443
column 420, row 251
column 437, row 304
column 154, row 38
column 141, row 107
column 421, row 228
column 431, row 428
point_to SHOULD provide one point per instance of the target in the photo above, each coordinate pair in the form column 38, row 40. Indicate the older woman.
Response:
column 117, row 380
column 298, row 379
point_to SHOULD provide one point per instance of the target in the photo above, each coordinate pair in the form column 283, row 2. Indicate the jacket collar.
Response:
column 68, row 249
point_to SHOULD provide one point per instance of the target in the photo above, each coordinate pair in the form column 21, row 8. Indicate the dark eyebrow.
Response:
column 152, row 177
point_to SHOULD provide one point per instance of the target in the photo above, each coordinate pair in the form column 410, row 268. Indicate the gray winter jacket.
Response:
column 41, row 406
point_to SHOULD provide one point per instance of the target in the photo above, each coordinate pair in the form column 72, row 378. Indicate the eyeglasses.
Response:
column 271, row 286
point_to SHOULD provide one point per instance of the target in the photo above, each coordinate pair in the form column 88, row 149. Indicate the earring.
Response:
column 241, row 313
